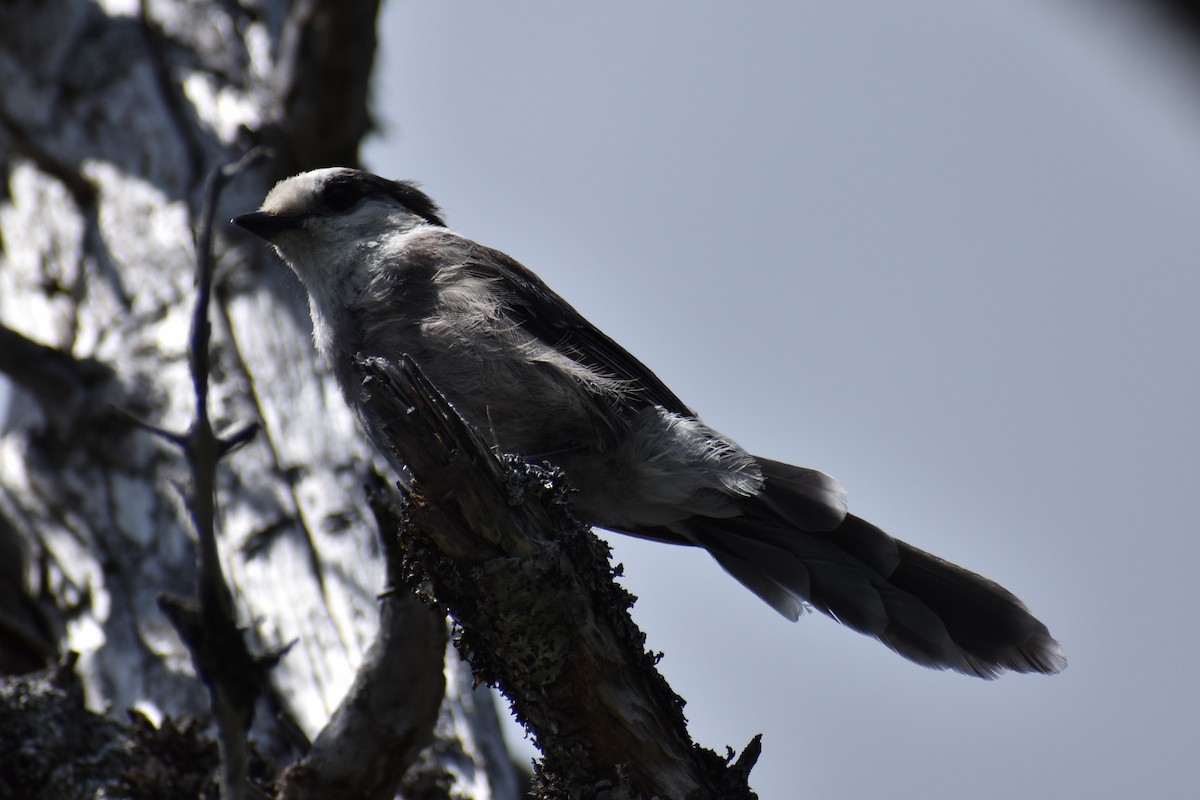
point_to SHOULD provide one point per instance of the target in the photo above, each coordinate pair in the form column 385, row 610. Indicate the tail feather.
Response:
column 780, row 595
column 926, row 609
column 984, row 617
column 791, row 570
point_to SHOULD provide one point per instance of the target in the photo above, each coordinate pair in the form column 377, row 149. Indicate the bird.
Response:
column 386, row 277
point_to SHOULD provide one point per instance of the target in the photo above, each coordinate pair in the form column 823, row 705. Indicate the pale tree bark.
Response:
column 112, row 115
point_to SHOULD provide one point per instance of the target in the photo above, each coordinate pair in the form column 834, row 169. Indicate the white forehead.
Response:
column 295, row 194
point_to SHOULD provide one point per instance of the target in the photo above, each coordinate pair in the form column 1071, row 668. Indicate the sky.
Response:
column 944, row 251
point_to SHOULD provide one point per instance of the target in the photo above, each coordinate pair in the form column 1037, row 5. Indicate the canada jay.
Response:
column 386, row 277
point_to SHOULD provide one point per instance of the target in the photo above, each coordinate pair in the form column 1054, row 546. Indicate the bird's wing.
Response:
column 544, row 314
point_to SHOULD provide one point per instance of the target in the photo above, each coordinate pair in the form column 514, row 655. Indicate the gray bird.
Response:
column 386, row 277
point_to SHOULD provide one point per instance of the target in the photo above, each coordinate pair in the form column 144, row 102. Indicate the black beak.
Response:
column 264, row 225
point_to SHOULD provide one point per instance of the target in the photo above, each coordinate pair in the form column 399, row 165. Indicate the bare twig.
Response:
column 540, row 615
column 208, row 625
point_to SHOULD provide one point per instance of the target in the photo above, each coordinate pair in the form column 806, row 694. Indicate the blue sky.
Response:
column 944, row 251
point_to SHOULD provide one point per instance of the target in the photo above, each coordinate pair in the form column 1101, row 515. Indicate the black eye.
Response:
column 338, row 196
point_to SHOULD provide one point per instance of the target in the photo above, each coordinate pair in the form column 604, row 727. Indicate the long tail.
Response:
column 926, row 609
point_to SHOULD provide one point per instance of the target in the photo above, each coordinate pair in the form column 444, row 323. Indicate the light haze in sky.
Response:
column 946, row 252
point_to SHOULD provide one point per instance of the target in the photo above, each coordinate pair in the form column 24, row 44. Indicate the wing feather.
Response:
column 544, row 314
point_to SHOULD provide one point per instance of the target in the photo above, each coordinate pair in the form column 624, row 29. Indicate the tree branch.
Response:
column 540, row 614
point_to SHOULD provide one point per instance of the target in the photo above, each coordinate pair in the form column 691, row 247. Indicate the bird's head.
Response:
column 335, row 228
column 320, row 219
